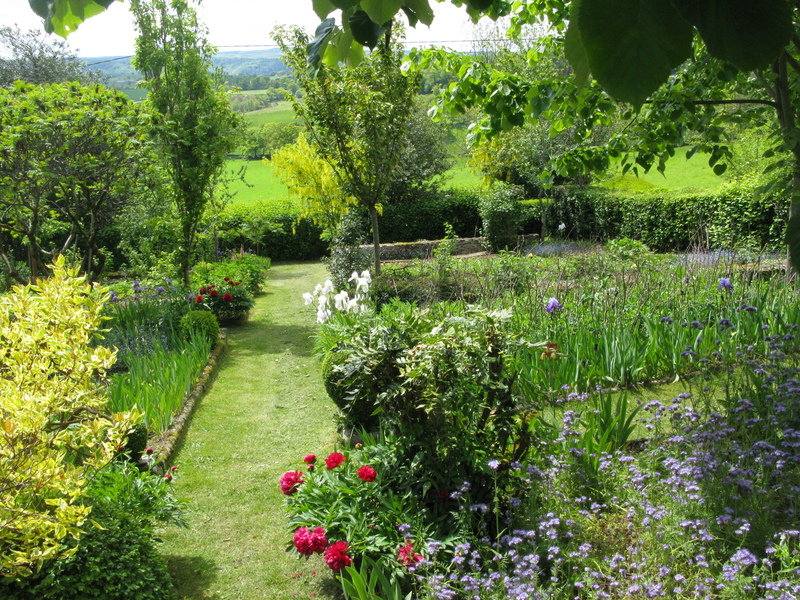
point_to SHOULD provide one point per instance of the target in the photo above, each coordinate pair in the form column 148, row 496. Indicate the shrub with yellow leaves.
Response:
column 55, row 431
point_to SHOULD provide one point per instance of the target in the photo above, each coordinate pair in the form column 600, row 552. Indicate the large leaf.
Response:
column 365, row 30
column 345, row 4
column 323, row 7
column 573, row 48
column 381, row 11
column 316, row 49
column 64, row 16
column 632, row 46
column 747, row 33
column 422, row 9
column 793, row 241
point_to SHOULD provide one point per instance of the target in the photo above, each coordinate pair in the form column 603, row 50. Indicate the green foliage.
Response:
column 116, row 558
column 500, row 212
column 266, row 139
column 229, row 300
column 346, row 254
column 734, row 216
column 270, row 229
column 370, row 582
column 64, row 174
column 193, row 120
column 249, row 269
column 424, row 218
column 357, row 410
column 203, row 323
column 56, row 429
column 136, row 442
column 33, row 58
column 356, row 118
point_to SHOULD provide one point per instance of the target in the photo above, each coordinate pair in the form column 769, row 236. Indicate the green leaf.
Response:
column 573, row 48
column 316, row 49
column 323, row 7
column 479, row 4
column 365, row 31
column 793, row 241
column 345, row 4
column 411, row 16
column 632, row 46
column 422, row 9
column 720, row 168
column 746, row 33
column 381, row 11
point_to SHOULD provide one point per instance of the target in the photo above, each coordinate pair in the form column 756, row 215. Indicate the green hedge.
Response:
column 425, row 218
column 732, row 216
column 270, row 230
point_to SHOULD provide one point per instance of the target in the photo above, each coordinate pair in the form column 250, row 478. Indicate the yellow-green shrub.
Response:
column 54, row 430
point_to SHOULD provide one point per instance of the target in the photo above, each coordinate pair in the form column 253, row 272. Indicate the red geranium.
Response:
column 334, row 460
column 310, row 459
column 310, row 542
column 336, row 556
column 367, row 473
column 290, row 481
column 406, row 555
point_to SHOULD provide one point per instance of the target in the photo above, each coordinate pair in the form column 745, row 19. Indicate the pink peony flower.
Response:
column 310, row 459
column 334, row 460
column 367, row 473
column 290, row 481
column 336, row 556
column 406, row 555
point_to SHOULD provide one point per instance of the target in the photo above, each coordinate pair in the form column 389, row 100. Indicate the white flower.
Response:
column 308, row 298
column 328, row 288
column 562, row 227
column 353, row 276
column 365, row 275
column 341, row 300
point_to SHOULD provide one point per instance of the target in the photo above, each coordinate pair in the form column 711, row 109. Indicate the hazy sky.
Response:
column 229, row 22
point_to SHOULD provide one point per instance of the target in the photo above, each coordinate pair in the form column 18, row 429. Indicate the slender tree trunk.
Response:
column 376, row 240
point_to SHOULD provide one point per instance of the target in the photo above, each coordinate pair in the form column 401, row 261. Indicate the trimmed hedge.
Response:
column 270, row 230
column 425, row 218
column 732, row 216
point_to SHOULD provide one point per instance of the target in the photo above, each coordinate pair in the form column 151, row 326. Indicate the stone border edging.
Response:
column 165, row 446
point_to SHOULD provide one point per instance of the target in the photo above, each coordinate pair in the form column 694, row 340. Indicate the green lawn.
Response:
column 679, row 173
column 263, row 185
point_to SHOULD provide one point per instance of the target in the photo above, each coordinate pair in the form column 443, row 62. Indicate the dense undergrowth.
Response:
column 501, row 465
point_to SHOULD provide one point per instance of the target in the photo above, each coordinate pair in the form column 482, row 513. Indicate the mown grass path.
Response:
column 266, row 410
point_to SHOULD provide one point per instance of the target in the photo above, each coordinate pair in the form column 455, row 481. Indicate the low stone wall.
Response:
column 424, row 249
column 165, row 446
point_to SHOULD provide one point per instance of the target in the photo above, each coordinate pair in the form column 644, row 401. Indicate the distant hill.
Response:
column 122, row 75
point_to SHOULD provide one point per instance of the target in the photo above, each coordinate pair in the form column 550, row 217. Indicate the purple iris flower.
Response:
column 553, row 305
column 725, row 284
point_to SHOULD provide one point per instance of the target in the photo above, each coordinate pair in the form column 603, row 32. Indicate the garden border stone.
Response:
column 164, row 447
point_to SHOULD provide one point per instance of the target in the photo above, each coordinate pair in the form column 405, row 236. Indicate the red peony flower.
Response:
column 199, row 298
column 406, row 555
column 226, row 297
column 336, row 556
column 203, row 290
column 310, row 542
column 367, row 473
column 310, row 459
column 290, row 481
column 214, row 293
column 227, row 278
column 334, row 460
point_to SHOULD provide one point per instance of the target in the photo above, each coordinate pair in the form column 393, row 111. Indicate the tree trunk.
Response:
column 376, row 240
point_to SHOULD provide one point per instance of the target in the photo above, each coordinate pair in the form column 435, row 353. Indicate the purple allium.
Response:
column 553, row 305
column 725, row 284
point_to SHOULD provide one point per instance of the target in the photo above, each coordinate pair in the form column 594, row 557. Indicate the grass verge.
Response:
column 266, row 410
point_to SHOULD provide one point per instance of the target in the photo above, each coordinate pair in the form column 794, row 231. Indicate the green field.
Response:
column 260, row 184
column 282, row 112
column 679, row 173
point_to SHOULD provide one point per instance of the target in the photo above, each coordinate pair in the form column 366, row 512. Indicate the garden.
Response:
column 203, row 398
